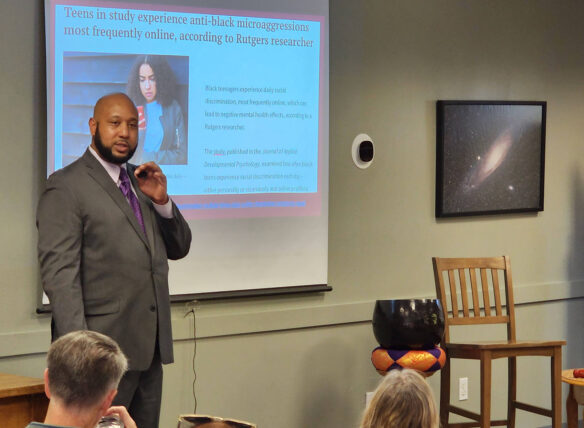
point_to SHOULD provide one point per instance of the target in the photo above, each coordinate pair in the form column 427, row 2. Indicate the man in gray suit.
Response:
column 106, row 231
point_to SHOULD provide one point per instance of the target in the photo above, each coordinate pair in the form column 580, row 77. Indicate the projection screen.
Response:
column 248, row 166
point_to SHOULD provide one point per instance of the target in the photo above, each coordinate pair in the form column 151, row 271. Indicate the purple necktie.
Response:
column 126, row 189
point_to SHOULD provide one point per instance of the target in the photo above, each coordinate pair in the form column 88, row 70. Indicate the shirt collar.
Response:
column 112, row 169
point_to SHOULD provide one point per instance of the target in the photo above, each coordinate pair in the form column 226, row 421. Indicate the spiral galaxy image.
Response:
column 492, row 158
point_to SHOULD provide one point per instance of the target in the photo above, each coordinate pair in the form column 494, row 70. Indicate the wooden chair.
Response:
column 484, row 305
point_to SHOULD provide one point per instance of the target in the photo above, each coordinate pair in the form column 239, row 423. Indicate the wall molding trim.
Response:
column 265, row 321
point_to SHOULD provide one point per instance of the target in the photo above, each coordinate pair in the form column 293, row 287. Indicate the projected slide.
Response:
column 230, row 102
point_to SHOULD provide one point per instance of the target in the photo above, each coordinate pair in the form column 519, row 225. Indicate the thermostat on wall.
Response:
column 362, row 151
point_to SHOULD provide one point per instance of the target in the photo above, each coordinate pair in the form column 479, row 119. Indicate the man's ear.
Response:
column 107, row 401
column 47, row 388
column 92, row 126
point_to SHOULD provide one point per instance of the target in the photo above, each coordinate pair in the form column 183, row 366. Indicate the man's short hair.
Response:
column 83, row 367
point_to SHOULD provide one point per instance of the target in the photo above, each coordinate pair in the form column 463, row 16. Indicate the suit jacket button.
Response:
column 152, row 308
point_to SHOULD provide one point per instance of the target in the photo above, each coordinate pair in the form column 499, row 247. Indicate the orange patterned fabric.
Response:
column 422, row 360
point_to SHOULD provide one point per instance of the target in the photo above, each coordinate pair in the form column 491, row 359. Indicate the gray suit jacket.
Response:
column 98, row 269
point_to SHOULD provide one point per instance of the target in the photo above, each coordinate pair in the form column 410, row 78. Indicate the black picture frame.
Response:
column 490, row 157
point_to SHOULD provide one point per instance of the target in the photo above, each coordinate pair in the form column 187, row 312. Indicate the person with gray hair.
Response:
column 81, row 380
column 402, row 399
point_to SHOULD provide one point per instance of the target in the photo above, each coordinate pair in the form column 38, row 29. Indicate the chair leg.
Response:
column 556, row 369
column 445, row 393
column 485, row 420
column 511, row 390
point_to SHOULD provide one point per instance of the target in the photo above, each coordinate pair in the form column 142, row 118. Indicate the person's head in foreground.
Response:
column 402, row 399
column 204, row 421
column 81, row 379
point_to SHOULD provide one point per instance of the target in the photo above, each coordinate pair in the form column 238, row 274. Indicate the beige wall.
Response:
column 303, row 361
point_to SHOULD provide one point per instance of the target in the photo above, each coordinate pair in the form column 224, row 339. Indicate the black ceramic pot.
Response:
column 408, row 324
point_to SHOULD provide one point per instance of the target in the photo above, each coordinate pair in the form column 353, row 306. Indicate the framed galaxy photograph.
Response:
column 489, row 157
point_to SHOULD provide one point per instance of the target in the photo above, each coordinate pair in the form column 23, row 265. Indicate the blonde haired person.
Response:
column 402, row 399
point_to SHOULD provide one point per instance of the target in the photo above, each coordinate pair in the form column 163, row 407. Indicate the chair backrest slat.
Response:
column 453, row 293
column 475, row 293
column 463, row 292
column 495, row 278
column 485, row 287
column 484, row 275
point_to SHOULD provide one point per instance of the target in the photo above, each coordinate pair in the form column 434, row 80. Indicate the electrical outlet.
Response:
column 462, row 388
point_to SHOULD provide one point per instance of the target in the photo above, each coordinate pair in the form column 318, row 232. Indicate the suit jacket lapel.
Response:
column 100, row 175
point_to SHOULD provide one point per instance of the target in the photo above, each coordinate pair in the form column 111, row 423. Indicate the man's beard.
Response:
column 107, row 152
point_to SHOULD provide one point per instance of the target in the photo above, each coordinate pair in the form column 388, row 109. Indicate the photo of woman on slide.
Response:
column 162, row 136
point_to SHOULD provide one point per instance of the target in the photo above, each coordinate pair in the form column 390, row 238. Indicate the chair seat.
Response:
column 502, row 349
column 504, row 344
